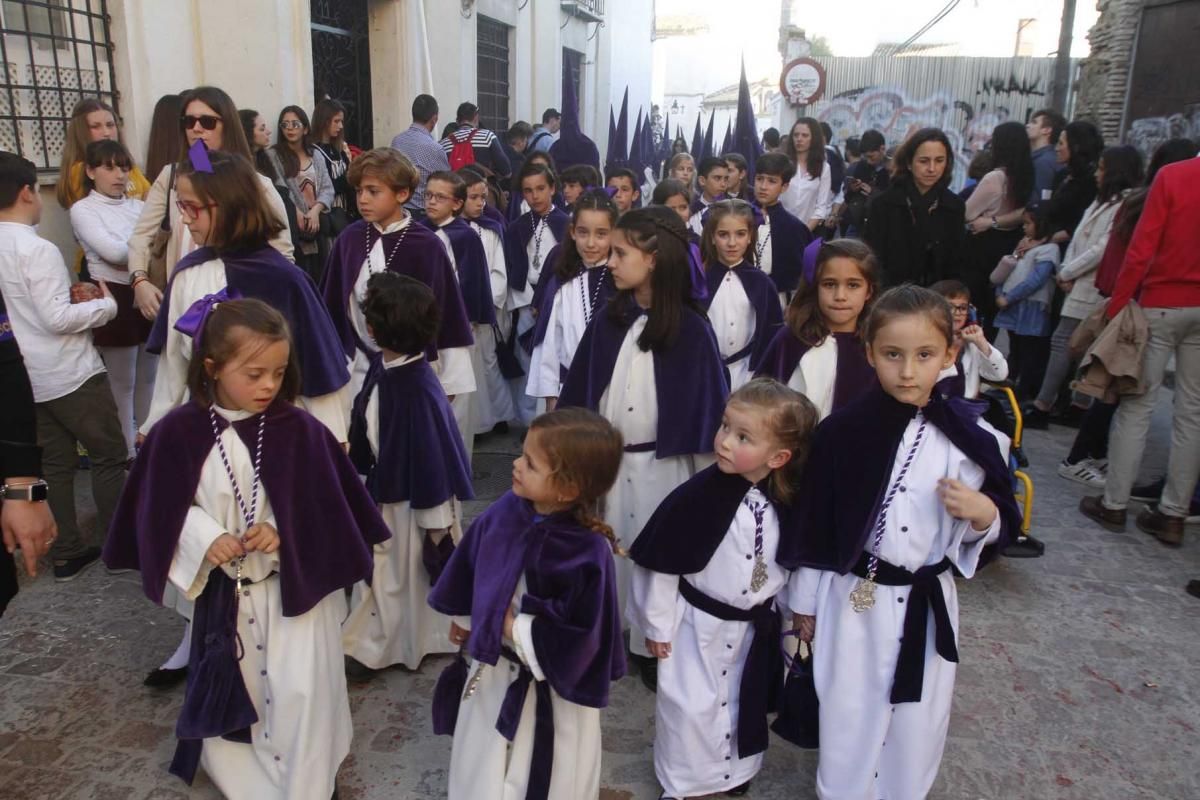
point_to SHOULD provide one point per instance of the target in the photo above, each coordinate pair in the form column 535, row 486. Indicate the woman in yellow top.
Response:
column 91, row 120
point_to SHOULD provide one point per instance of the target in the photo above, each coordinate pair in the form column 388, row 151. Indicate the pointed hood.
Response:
column 745, row 132
column 573, row 147
column 697, row 147
column 727, row 142
column 706, row 148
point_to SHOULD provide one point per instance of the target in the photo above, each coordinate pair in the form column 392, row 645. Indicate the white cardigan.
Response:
column 1083, row 257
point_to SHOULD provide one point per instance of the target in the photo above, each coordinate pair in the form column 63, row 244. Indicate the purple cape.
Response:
column 326, row 520
column 764, row 299
column 516, row 240
column 608, row 290
column 570, row 588
column 854, row 374
column 689, row 525
column 266, row 275
column 423, row 459
column 549, row 275
column 690, row 382
column 789, row 237
column 850, row 463
column 474, row 283
column 421, row 256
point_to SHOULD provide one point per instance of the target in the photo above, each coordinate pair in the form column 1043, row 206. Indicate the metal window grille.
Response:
column 492, row 66
column 54, row 53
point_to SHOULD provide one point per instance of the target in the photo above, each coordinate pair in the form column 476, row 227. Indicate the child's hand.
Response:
column 963, row 502
column 82, row 292
column 1001, row 301
column 509, row 620
column 225, row 549
column 974, row 335
column 458, row 636
column 658, row 649
column 806, row 625
column 262, row 537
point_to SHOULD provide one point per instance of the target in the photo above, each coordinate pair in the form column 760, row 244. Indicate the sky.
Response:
column 751, row 27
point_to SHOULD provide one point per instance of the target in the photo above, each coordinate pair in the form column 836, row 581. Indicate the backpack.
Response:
column 542, row 134
column 463, row 151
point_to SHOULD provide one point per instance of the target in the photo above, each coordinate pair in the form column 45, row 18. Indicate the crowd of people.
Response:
column 753, row 393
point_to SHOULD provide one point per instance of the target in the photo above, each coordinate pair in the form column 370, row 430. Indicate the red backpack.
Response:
column 463, row 152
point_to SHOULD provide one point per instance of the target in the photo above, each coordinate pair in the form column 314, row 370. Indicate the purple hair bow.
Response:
column 198, row 154
column 699, row 282
column 196, row 317
column 611, row 191
column 810, row 259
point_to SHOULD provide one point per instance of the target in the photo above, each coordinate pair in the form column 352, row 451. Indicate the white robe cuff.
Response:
column 966, row 544
column 437, row 517
column 802, row 591
column 653, row 603
column 454, row 370
column 523, row 640
column 190, row 567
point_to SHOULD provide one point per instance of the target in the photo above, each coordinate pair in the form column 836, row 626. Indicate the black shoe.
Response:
column 71, row 568
column 359, row 672
column 1148, row 492
column 500, row 428
column 165, row 678
column 1070, row 416
column 739, row 791
column 1193, row 588
column 1024, row 547
column 647, row 667
column 1034, row 419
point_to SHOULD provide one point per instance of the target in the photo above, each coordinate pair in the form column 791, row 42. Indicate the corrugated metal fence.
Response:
column 966, row 97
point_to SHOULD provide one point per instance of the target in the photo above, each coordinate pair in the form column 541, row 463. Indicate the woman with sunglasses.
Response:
column 308, row 185
column 209, row 115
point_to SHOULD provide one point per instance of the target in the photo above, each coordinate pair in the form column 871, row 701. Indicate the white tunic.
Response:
column 527, row 407
column 733, row 321
column 495, row 402
column 763, row 250
column 569, row 318
column 170, row 383
column 806, row 197
column 696, row 220
column 486, row 766
column 391, row 622
column 644, row 480
column 453, row 365
column 977, row 368
column 293, row 666
column 816, row 374
column 699, row 684
column 870, row 748
column 463, row 403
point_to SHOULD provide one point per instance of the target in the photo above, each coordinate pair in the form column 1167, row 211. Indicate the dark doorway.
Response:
column 342, row 63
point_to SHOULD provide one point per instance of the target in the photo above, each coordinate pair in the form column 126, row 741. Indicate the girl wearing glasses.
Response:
column 208, row 115
column 307, row 184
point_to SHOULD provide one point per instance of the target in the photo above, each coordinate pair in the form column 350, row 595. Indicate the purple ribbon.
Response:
column 611, row 191
column 513, row 704
column 809, row 271
column 196, row 317
column 198, row 154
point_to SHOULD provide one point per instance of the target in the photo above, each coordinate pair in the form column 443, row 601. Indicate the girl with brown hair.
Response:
column 91, row 121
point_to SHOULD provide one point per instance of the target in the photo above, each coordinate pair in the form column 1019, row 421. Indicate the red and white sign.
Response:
column 802, row 81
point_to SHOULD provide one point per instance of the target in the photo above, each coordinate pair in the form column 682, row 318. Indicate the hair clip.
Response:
column 198, row 154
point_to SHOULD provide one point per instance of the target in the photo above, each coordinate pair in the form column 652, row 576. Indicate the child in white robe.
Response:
column 404, row 439
column 534, row 598
column 582, row 288
column 703, row 590
column 253, row 519
column 903, row 485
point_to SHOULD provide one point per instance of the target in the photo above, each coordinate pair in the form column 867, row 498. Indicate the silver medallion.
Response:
column 862, row 597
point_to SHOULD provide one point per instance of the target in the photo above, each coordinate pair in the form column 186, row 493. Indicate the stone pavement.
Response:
column 1078, row 679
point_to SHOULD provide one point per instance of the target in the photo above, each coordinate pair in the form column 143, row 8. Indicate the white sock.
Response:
column 179, row 658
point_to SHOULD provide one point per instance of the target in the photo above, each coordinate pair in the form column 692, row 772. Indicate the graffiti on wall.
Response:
column 894, row 113
column 1148, row 133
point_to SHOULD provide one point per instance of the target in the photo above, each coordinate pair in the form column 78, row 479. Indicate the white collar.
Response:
column 233, row 415
column 395, row 226
column 402, row 360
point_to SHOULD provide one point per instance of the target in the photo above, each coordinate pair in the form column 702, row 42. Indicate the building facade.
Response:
column 373, row 55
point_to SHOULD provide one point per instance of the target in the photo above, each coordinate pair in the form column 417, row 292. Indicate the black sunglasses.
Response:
column 207, row 121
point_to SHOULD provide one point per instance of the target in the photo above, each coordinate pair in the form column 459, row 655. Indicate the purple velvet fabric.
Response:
column 266, row 275
column 470, row 261
column 763, row 296
column 327, row 522
column 854, row 373
column 789, row 237
column 570, row 589
column 691, row 384
column 423, row 459
column 421, row 256
column 849, row 465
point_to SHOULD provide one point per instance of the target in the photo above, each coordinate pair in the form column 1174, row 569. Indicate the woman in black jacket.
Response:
column 916, row 226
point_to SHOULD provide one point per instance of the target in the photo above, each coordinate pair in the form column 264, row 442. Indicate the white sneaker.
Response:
column 1092, row 473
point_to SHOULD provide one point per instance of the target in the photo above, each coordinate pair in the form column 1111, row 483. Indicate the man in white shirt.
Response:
column 70, row 385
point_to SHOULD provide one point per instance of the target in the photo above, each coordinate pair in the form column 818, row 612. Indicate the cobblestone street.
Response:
column 1078, row 679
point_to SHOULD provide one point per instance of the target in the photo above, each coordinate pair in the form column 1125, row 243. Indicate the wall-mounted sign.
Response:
column 802, row 81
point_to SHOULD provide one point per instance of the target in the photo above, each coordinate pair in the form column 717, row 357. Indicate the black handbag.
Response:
column 799, row 720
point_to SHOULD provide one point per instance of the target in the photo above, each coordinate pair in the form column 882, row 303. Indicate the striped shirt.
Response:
column 488, row 150
column 419, row 146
